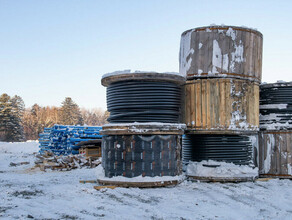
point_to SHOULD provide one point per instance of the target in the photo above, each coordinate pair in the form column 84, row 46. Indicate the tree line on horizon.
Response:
column 18, row 123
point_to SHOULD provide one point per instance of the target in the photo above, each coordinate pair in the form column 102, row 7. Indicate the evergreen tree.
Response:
column 10, row 119
column 18, row 110
column 70, row 113
column 18, row 104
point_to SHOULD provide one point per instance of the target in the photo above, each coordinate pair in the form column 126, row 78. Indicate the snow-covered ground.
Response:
column 26, row 193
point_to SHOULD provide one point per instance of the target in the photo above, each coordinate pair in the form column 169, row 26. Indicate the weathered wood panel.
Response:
column 220, row 51
column 222, row 104
column 275, row 153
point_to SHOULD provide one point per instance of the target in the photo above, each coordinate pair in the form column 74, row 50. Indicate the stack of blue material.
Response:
column 63, row 139
column 44, row 140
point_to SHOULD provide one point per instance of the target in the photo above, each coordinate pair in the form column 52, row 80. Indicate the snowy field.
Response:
column 30, row 193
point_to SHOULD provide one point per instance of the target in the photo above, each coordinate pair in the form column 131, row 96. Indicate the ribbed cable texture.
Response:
column 136, row 101
column 228, row 148
column 135, row 155
column 276, row 105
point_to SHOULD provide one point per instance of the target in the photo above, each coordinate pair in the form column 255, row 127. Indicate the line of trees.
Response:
column 18, row 123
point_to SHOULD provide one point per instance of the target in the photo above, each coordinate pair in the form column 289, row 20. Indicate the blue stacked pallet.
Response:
column 63, row 139
column 76, row 134
column 44, row 140
column 58, row 139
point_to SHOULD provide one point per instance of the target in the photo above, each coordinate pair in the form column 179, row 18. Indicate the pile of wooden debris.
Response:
column 50, row 161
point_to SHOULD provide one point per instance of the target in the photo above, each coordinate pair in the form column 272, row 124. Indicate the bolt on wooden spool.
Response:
column 221, row 51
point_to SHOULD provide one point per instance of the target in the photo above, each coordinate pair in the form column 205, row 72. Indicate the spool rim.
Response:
column 223, row 75
column 143, row 129
column 197, row 79
column 222, row 179
column 227, row 132
column 284, row 131
column 139, row 184
column 223, row 27
column 276, row 85
column 143, row 76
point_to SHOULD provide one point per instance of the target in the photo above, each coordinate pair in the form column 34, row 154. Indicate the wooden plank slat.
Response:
column 198, row 104
column 203, row 104
column 283, row 153
column 188, row 104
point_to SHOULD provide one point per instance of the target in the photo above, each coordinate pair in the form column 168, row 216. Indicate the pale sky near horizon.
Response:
column 52, row 49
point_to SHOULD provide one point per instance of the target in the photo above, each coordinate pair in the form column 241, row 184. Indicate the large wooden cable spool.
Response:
column 221, row 51
column 275, row 139
column 144, row 97
column 218, row 105
column 143, row 138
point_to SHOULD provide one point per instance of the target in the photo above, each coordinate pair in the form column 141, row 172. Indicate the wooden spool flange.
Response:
column 153, row 184
column 143, row 129
column 108, row 79
column 222, row 179
column 221, row 51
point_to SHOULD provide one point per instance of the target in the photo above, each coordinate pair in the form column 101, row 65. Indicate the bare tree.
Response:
column 95, row 116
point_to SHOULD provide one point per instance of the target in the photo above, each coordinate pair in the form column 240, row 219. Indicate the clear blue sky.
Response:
column 51, row 49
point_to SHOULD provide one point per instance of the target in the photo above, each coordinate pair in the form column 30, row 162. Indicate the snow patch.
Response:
column 213, row 168
column 101, row 176
column 274, row 106
column 270, row 146
column 185, row 52
column 217, row 57
column 200, row 46
column 230, row 32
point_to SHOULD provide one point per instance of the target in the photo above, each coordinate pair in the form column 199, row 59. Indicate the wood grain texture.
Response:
column 221, row 104
column 275, row 149
column 221, row 51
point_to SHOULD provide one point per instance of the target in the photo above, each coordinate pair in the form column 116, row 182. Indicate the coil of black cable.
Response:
column 187, row 151
column 276, row 104
column 144, row 101
column 235, row 149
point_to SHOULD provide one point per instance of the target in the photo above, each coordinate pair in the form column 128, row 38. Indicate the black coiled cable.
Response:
column 235, row 149
column 276, row 101
column 143, row 101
